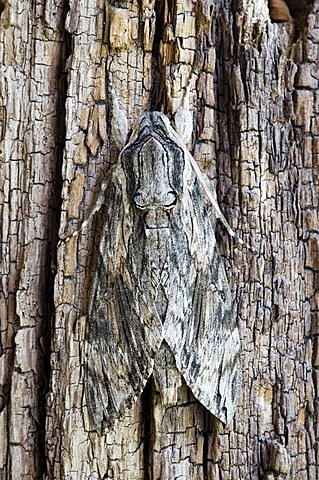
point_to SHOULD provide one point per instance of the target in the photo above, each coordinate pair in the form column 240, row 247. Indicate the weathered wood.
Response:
column 254, row 98
column 31, row 136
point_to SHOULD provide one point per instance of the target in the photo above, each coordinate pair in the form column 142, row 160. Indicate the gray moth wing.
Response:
column 159, row 277
column 124, row 333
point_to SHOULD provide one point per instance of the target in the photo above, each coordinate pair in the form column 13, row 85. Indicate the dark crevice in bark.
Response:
column 298, row 7
column 5, row 388
column 224, row 114
column 293, row 11
column 148, row 418
column 119, row 3
column 300, row 15
column 55, row 203
column 206, row 443
column 156, row 94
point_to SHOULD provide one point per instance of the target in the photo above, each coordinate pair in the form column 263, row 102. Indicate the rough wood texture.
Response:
column 31, row 136
column 254, row 98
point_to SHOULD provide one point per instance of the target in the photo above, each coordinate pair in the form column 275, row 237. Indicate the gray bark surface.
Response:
column 254, row 98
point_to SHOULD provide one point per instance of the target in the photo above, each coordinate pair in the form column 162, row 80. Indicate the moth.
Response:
column 160, row 278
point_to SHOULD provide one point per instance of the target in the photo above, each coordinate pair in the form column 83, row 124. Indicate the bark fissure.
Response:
column 254, row 98
column 148, row 416
column 31, row 195
column 156, row 75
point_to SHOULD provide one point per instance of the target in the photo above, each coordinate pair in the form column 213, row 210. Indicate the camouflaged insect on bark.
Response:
column 160, row 280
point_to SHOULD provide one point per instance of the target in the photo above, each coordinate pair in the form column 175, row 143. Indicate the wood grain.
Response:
column 254, row 102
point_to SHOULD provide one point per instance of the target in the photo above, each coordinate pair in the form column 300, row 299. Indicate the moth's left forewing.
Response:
column 200, row 327
column 124, row 332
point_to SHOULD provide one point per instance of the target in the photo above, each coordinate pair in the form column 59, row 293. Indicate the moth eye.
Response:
column 170, row 201
column 140, row 201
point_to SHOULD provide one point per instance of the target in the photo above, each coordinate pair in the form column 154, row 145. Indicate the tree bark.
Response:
column 31, row 136
column 254, row 98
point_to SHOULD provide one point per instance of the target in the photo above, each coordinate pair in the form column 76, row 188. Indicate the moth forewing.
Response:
column 202, row 331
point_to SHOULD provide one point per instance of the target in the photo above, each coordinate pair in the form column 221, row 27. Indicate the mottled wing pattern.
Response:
column 200, row 327
column 123, row 332
column 160, row 277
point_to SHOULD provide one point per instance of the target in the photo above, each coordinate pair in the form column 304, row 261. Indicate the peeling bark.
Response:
column 254, row 98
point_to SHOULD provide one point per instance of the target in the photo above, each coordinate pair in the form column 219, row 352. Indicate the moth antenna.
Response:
column 183, row 117
column 119, row 124
column 211, row 197
column 98, row 204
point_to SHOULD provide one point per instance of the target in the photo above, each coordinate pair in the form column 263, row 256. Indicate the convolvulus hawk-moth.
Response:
column 160, row 278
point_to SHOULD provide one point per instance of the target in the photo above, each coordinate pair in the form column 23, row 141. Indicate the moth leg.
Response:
column 119, row 128
column 119, row 124
column 184, row 127
column 98, row 204
column 211, row 195
column 183, row 117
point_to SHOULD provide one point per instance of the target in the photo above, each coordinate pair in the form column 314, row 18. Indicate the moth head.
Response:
column 154, row 163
